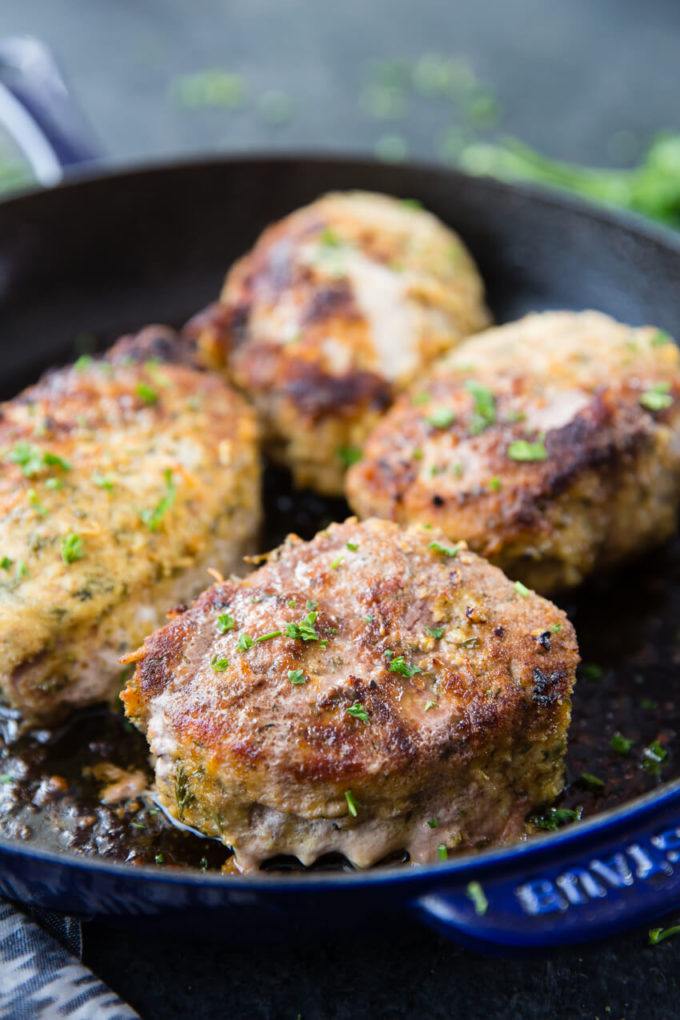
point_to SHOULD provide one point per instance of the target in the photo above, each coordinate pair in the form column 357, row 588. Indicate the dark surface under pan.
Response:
column 97, row 257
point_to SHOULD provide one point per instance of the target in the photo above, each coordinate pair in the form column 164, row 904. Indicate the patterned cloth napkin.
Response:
column 41, row 977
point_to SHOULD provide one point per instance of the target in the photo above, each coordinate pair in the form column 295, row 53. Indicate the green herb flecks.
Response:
column 147, row 393
column 590, row 782
column 336, row 562
column 352, row 546
column 219, row 664
column 358, row 711
column 225, row 622
column 657, row 397
column 476, row 894
column 447, row 550
column 353, row 804
column 654, row 755
column 32, row 460
column 72, row 548
column 440, row 417
column 660, row 338
column 153, row 518
column 554, row 818
column 296, row 676
column 657, row 935
column 429, row 705
column 270, row 636
column 484, row 413
column 400, row 665
column 433, row 823
column 305, row 629
column 523, row 450
column 104, row 481
column 348, row 455
column 244, row 643
column 522, row 589
column 5, row 563
column 620, row 744
column 435, row 632
column 442, row 852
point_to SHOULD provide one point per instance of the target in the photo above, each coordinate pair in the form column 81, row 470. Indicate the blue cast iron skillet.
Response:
column 107, row 251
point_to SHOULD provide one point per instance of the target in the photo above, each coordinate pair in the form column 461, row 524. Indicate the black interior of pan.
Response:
column 84, row 263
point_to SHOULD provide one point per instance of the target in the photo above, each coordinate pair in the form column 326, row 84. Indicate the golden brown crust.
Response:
column 334, row 310
column 607, row 481
column 118, row 477
column 453, row 668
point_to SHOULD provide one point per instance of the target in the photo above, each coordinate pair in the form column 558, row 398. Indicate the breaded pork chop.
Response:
column 371, row 690
column 336, row 308
column 122, row 480
column 552, row 445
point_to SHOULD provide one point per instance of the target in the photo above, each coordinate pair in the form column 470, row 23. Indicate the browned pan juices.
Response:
column 628, row 627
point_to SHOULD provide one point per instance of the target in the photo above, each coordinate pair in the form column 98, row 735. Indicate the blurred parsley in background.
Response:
column 466, row 116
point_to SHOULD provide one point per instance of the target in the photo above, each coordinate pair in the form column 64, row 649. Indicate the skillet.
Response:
column 105, row 252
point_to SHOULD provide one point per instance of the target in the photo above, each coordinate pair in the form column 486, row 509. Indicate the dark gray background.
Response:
column 570, row 76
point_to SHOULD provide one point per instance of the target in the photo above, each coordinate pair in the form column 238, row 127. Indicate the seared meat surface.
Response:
column 371, row 690
column 336, row 308
column 122, row 480
column 551, row 445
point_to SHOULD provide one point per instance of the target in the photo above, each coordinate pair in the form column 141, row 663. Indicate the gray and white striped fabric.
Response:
column 41, row 980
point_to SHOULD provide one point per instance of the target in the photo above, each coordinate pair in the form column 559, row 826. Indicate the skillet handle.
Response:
column 554, row 899
column 38, row 112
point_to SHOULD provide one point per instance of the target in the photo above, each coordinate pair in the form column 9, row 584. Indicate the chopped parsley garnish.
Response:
column 310, row 605
column 522, row 589
column 368, row 618
column 522, row 449
column 72, row 548
column 268, row 637
column 31, row 459
column 159, row 858
column 352, row 546
column 621, row 744
column 400, row 665
column 476, row 894
column 305, row 629
column 654, row 756
column 448, row 550
column 138, row 825
column 244, row 643
column 32, row 496
column 353, row 804
column 485, row 406
column 148, row 394
column 430, row 704
column 495, row 483
column 336, row 563
column 590, row 781
column 411, row 203
column 417, row 455
column 442, row 852
column 657, row 935
column 54, row 484
column 219, row 665
column 433, row 823
column 225, row 622
column 203, row 864
column 435, row 632
column 103, row 481
column 358, row 711
column 660, row 338
column 458, row 469
column 440, row 417
column 349, row 455
column 657, row 397
column 328, row 238
column 83, row 362
column 153, row 518
column 21, row 569
column 554, row 818
column 5, row 563
column 591, row 671
column 556, row 628
column 296, row 676
column 420, row 398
